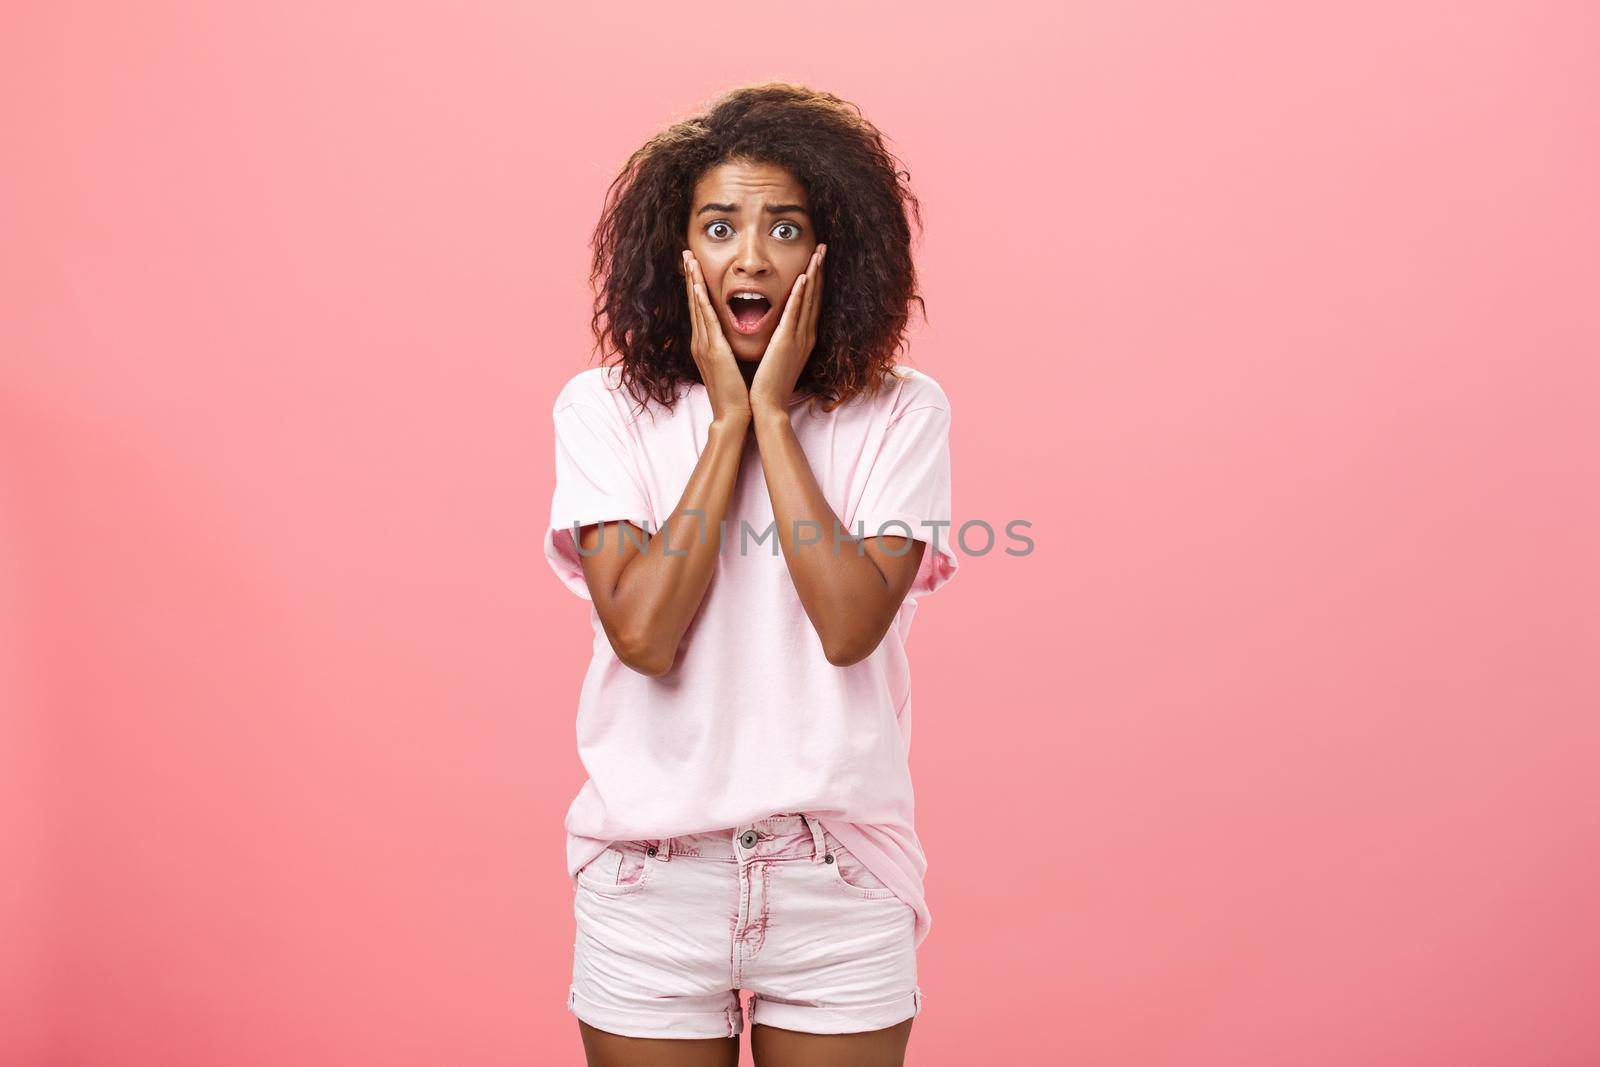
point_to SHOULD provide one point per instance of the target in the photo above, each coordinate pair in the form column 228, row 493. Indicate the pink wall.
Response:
column 1280, row 328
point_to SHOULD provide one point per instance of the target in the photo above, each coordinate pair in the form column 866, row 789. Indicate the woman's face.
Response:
column 750, row 228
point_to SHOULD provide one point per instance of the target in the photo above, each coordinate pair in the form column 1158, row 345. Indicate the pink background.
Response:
column 1279, row 326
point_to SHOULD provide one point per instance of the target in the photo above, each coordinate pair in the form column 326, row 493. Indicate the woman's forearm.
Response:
column 659, row 590
column 847, row 597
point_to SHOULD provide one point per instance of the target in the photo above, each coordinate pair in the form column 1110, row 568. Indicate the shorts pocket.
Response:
column 852, row 876
column 622, row 868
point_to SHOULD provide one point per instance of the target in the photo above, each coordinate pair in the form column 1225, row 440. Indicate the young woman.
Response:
column 751, row 497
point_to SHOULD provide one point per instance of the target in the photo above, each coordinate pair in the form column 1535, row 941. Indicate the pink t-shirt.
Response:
column 752, row 719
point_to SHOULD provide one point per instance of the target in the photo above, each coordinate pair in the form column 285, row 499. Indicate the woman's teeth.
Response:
column 750, row 310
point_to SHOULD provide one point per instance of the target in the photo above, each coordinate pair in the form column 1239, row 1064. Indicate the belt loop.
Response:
column 664, row 849
column 817, row 839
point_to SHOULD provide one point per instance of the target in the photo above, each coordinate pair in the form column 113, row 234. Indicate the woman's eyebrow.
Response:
column 770, row 209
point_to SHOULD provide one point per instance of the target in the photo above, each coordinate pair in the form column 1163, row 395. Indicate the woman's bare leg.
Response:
column 773, row 1047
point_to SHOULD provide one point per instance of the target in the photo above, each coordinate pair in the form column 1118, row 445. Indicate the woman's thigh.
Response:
column 775, row 1047
column 651, row 956
column 830, row 950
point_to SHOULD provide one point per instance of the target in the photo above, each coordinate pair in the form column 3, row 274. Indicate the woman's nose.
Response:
column 752, row 256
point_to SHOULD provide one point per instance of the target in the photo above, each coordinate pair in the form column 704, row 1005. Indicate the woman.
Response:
column 720, row 492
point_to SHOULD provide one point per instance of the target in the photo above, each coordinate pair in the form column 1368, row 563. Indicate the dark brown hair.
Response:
column 860, row 205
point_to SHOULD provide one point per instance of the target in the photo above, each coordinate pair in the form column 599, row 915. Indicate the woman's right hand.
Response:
column 719, row 368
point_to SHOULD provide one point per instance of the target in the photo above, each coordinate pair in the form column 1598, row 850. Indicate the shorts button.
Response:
column 748, row 839
column 651, row 851
column 828, row 858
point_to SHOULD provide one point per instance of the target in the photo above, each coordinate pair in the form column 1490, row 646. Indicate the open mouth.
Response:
column 750, row 310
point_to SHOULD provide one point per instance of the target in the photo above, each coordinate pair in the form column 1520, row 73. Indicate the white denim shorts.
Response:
column 670, row 930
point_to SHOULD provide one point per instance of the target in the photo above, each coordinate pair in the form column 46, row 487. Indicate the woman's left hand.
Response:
column 791, row 343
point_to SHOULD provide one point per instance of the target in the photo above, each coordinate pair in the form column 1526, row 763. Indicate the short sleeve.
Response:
column 910, row 483
column 596, row 481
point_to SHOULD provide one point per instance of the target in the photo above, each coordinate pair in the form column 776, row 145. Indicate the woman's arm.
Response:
column 850, row 594
column 646, row 598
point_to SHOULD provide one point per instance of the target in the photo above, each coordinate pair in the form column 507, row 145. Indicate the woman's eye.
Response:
column 712, row 230
column 794, row 231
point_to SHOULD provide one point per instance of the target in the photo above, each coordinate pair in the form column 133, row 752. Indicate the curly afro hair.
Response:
column 861, row 205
